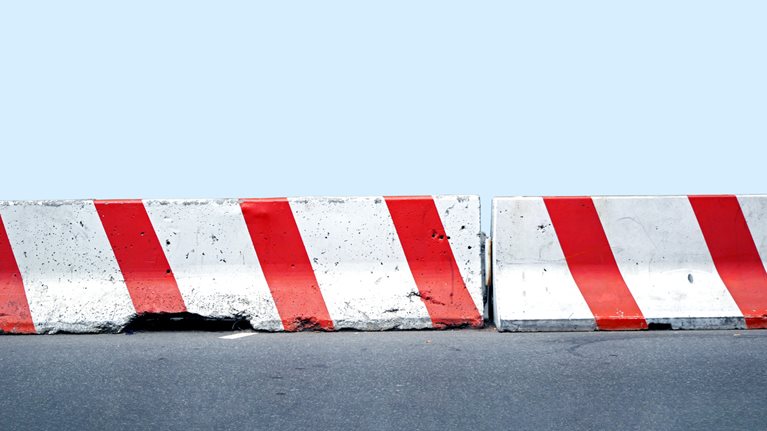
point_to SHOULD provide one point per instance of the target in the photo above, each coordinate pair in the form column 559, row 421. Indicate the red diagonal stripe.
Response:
column 146, row 271
column 735, row 254
column 431, row 261
column 14, row 308
column 285, row 263
column 592, row 263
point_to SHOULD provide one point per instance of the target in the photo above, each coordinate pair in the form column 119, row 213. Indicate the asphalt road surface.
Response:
column 426, row 380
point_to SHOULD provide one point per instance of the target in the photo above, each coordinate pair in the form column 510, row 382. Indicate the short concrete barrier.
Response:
column 367, row 263
column 629, row 263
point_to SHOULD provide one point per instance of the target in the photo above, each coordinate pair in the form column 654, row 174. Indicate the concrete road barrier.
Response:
column 368, row 263
column 620, row 263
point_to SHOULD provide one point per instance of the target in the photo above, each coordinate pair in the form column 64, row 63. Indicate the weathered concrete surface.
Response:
column 367, row 263
column 629, row 262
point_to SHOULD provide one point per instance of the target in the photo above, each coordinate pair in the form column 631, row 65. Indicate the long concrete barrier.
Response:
column 621, row 263
column 367, row 263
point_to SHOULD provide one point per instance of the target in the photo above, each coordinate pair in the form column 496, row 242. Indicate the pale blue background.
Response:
column 244, row 99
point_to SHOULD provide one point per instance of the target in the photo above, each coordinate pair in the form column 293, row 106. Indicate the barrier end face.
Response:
column 487, row 275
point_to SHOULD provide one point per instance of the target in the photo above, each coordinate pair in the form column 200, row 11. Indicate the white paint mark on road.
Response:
column 237, row 335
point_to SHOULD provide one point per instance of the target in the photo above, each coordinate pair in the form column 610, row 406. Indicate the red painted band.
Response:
column 144, row 267
column 14, row 309
column 431, row 261
column 592, row 264
column 285, row 264
column 735, row 254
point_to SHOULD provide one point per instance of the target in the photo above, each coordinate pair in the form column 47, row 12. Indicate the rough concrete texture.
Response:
column 85, row 266
column 672, row 262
